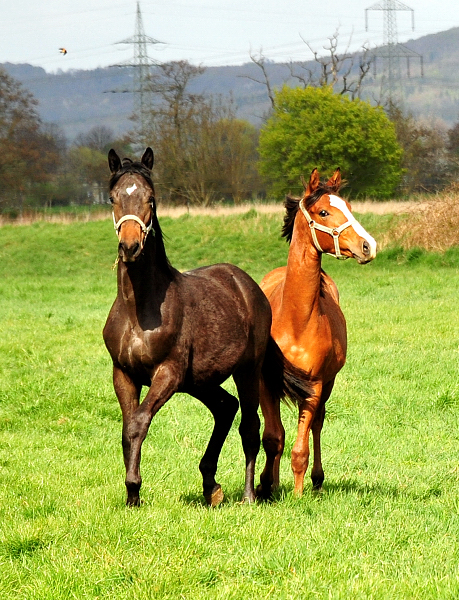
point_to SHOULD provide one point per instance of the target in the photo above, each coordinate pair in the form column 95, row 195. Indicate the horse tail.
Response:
column 283, row 379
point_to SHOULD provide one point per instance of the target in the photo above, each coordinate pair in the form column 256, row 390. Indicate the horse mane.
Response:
column 138, row 168
column 129, row 166
column 292, row 204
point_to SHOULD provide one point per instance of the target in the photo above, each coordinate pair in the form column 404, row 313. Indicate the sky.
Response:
column 207, row 32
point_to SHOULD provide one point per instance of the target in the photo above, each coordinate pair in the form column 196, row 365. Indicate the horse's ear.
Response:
column 148, row 158
column 114, row 161
column 335, row 179
column 312, row 184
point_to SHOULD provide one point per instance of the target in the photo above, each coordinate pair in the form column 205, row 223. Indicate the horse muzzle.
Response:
column 129, row 251
column 130, row 244
column 367, row 251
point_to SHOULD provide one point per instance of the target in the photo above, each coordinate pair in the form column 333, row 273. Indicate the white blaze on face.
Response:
column 130, row 190
column 359, row 230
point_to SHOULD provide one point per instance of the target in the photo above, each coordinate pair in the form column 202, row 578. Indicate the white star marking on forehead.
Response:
column 130, row 190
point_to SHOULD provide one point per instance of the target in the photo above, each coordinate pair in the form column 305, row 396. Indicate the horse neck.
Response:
column 140, row 281
column 302, row 283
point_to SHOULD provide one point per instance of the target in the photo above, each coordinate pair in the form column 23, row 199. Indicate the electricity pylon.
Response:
column 142, row 64
column 392, row 51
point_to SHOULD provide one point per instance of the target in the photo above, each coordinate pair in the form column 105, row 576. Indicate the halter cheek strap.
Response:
column 145, row 228
column 335, row 232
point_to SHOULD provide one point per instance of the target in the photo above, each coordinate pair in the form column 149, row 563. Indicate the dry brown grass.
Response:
column 426, row 222
column 30, row 217
column 431, row 224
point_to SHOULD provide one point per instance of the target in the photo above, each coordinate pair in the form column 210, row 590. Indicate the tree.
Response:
column 313, row 127
column 89, row 166
column 203, row 153
column 99, row 138
column 237, row 142
column 427, row 164
column 29, row 152
column 333, row 69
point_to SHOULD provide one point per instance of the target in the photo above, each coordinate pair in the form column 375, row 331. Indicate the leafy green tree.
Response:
column 314, row 127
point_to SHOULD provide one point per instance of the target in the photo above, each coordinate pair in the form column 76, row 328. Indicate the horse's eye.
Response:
column 323, row 213
column 111, row 199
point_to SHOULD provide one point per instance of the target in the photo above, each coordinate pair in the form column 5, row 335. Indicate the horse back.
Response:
column 230, row 320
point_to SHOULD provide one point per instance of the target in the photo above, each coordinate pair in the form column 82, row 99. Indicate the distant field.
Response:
column 387, row 524
column 69, row 214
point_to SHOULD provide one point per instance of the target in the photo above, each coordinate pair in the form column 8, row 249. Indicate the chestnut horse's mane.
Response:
column 292, row 204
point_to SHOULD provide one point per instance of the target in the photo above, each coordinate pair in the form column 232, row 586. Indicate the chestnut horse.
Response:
column 308, row 323
column 186, row 332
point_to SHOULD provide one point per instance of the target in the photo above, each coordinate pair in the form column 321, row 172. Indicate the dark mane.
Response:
column 292, row 204
column 138, row 168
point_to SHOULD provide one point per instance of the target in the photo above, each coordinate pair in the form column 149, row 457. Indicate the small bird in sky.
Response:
column 63, row 51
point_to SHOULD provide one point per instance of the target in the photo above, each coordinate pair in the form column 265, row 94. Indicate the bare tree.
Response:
column 333, row 69
column 260, row 62
column 99, row 138
column 203, row 152
column 170, row 84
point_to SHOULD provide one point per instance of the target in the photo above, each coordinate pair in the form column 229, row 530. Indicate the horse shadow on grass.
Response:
column 367, row 492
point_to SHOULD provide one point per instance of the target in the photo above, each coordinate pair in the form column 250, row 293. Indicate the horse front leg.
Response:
column 136, row 428
column 273, row 443
column 128, row 394
column 300, row 452
column 317, row 473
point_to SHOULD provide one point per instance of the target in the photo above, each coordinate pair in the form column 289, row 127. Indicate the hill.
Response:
column 79, row 100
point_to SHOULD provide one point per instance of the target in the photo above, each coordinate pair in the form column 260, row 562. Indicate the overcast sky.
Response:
column 208, row 32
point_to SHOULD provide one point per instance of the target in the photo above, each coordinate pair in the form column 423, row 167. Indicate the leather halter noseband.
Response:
column 335, row 232
column 145, row 228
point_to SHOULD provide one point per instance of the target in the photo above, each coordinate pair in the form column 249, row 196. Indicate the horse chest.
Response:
column 135, row 349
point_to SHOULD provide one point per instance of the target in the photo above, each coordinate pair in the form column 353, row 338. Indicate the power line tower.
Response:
column 392, row 51
column 142, row 64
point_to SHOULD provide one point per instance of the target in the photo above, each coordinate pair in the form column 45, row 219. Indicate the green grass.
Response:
column 387, row 525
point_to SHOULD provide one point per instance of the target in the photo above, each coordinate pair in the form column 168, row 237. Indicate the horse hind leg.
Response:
column 248, row 386
column 223, row 407
column 273, row 443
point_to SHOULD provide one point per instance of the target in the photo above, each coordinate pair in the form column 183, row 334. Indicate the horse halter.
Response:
column 145, row 228
column 335, row 232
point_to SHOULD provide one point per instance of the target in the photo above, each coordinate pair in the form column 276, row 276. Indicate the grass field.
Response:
column 387, row 525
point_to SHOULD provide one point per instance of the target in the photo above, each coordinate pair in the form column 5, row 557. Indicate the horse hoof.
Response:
column 133, row 501
column 262, row 493
column 215, row 497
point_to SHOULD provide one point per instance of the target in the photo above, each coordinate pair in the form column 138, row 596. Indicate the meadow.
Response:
column 386, row 525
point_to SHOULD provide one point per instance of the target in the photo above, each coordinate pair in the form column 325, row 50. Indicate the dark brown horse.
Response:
column 308, row 323
column 185, row 332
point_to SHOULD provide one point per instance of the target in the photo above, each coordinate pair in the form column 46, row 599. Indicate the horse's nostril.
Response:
column 366, row 248
column 129, row 252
